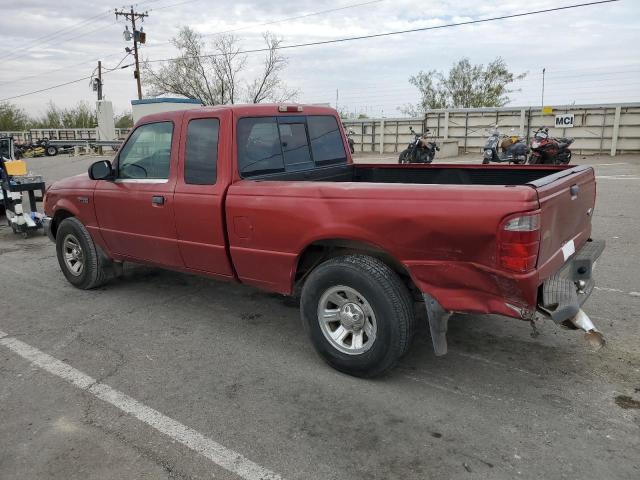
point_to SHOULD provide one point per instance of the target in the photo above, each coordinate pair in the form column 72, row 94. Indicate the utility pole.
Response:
column 138, row 37
column 543, row 72
column 337, row 96
column 99, row 80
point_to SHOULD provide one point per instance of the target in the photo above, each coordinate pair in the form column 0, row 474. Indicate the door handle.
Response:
column 157, row 200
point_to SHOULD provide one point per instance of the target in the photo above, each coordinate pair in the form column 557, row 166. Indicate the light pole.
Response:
column 543, row 72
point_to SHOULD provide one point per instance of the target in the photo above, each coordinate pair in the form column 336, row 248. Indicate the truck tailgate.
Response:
column 566, row 202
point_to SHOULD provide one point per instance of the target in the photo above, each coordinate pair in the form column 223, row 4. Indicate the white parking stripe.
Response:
column 218, row 454
column 617, row 290
column 616, row 177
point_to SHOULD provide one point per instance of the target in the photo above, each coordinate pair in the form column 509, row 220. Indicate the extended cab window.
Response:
column 201, row 156
column 147, row 153
column 288, row 144
column 326, row 140
column 259, row 148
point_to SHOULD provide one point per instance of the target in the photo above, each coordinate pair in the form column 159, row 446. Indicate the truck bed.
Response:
column 440, row 221
column 427, row 174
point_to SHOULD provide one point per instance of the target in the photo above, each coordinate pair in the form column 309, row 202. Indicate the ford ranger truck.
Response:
column 268, row 195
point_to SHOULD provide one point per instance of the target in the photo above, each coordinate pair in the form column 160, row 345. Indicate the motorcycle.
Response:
column 504, row 149
column 547, row 150
column 349, row 133
column 420, row 150
column 352, row 142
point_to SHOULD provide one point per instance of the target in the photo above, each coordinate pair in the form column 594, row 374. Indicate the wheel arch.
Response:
column 60, row 215
column 321, row 250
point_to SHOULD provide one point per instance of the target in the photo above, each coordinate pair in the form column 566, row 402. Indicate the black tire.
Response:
column 430, row 156
column 389, row 299
column 51, row 151
column 92, row 274
column 485, row 161
column 404, row 156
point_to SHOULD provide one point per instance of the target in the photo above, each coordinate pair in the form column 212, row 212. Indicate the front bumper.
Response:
column 46, row 225
column 563, row 294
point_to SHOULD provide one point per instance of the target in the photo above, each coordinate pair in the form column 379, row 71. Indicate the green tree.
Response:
column 12, row 118
column 80, row 116
column 464, row 86
column 124, row 121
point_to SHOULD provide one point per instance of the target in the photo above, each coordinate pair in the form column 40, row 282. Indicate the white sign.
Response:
column 564, row 120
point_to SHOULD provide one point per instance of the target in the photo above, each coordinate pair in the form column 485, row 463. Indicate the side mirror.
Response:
column 101, row 170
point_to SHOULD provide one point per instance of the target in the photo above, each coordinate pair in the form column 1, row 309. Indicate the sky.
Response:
column 591, row 54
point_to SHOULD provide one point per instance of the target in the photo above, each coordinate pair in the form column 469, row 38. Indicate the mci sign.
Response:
column 564, row 120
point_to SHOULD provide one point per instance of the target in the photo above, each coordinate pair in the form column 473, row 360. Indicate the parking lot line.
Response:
column 616, row 177
column 218, row 454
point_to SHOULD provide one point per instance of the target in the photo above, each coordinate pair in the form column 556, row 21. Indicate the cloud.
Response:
column 589, row 53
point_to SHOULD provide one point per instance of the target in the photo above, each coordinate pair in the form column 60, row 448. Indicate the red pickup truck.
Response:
column 268, row 195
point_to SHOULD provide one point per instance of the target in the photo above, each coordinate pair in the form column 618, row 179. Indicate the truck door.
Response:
column 203, row 176
column 135, row 212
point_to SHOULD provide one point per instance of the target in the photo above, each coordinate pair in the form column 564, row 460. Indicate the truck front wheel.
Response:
column 78, row 256
column 358, row 314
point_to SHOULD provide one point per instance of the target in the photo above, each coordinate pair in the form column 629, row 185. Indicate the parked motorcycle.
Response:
column 352, row 142
column 420, row 149
column 504, row 149
column 547, row 150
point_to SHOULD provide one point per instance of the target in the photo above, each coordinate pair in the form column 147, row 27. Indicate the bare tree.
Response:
column 269, row 86
column 227, row 64
column 216, row 77
column 188, row 75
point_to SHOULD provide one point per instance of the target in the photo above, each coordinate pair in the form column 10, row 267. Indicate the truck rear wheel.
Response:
column 77, row 255
column 358, row 314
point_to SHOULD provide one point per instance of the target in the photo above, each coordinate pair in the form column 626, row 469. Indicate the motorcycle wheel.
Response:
column 534, row 159
column 404, row 156
column 430, row 156
column 423, row 157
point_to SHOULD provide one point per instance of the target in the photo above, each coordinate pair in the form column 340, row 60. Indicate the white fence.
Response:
column 598, row 129
column 60, row 134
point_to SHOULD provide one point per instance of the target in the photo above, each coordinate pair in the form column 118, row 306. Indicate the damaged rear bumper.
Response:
column 563, row 294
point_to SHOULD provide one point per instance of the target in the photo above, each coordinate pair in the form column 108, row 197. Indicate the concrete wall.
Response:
column 612, row 128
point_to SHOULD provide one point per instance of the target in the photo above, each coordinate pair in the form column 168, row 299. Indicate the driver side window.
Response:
column 147, row 153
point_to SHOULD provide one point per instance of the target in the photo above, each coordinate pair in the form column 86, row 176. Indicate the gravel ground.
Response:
column 233, row 364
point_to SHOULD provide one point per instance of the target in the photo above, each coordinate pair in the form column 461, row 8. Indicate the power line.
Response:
column 162, row 7
column 362, row 37
column 297, row 17
column 71, row 82
column 399, row 32
column 48, row 88
column 272, row 22
column 39, row 74
column 52, row 36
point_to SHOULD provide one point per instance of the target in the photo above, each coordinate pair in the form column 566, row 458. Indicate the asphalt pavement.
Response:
column 166, row 375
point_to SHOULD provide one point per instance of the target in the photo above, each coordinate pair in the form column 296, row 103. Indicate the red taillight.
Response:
column 290, row 108
column 518, row 242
